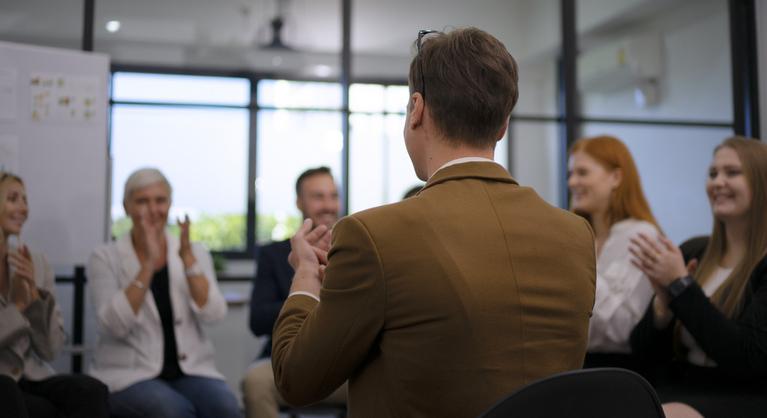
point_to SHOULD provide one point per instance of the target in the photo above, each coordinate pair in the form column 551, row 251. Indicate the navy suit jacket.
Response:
column 270, row 289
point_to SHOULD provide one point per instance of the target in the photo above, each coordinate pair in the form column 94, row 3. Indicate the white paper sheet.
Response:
column 9, row 153
column 7, row 93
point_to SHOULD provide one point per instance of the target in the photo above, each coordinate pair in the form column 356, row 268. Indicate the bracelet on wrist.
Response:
column 138, row 284
column 194, row 270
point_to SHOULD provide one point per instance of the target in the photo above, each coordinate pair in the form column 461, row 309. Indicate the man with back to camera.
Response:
column 444, row 303
column 316, row 199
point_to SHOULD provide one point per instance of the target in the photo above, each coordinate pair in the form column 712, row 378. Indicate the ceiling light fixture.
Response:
column 113, row 26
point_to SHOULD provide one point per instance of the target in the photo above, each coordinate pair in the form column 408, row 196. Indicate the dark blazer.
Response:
column 444, row 303
column 270, row 289
column 738, row 346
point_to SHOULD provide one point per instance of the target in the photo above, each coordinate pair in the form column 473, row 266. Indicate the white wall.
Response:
column 696, row 85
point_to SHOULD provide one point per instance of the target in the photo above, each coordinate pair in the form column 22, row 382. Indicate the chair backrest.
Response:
column 592, row 393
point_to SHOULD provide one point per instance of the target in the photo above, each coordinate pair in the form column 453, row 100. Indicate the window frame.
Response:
column 251, row 244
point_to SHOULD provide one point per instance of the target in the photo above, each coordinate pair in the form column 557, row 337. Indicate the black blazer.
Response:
column 738, row 346
column 271, row 287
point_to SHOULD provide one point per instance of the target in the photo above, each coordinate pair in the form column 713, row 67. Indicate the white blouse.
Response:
column 623, row 292
column 696, row 355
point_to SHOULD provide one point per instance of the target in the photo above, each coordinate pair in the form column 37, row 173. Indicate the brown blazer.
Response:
column 442, row 304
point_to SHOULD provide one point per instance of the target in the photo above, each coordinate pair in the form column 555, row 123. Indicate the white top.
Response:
column 623, row 292
column 696, row 355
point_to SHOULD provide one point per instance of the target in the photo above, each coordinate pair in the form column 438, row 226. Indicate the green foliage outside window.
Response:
column 226, row 231
column 218, row 232
column 270, row 228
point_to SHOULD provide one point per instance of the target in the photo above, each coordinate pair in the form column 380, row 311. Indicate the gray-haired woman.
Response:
column 151, row 292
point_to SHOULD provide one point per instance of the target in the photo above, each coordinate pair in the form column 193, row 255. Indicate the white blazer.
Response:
column 130, row 346
column 623, row 292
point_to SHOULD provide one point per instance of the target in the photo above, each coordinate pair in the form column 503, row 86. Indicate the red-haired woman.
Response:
column 707, row 331
column 606, row 190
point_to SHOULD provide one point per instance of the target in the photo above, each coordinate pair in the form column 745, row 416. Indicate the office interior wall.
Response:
column 672, row 140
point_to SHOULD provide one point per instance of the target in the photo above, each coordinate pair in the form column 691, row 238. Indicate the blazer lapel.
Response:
column 130, row 268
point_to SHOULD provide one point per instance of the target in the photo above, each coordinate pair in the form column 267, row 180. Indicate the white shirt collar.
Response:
column 464, row 160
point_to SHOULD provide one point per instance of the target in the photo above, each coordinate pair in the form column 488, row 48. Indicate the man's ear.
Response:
column 415, row 110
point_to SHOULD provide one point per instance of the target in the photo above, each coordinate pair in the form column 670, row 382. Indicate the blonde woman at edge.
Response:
column 31, row 328
column 606, row 190
column 707, row 330
column 152, row 291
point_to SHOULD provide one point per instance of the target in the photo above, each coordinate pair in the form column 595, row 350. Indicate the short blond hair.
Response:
column 144, row 177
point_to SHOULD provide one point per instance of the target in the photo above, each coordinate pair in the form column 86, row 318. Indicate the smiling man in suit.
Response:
column 317, row 199
column 442, row 304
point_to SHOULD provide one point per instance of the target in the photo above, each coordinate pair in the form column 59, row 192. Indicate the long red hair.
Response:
column 628, row 199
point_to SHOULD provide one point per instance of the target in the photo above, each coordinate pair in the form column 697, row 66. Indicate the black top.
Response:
column 737, row 345
column 161, row 292
column 270, row 289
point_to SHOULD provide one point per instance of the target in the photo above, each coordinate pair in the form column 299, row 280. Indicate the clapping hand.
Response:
column 150, row 234
column 185, row 250
column 661, row 261
column 23, row 288
column 309, row 249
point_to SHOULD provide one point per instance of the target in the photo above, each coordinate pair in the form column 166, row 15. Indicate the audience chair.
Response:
column 592, row 393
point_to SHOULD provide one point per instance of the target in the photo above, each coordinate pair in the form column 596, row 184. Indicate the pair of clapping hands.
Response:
column 660, row 260
column 152, row 234
column 309, row 249
column 23, row 289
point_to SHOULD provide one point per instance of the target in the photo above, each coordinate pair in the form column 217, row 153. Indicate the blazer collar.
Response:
column 477, row 170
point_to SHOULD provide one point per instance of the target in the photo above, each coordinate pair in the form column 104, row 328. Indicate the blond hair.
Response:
column 729, row 296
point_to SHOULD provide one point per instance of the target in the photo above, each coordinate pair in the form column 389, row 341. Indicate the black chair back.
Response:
column 592, row 393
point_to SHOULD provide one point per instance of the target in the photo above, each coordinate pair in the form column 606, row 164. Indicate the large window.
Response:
column 299, row 127
column 194, row 129
column 214, row 142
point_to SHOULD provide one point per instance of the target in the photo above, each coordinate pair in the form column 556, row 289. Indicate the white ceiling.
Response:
column 229, row 32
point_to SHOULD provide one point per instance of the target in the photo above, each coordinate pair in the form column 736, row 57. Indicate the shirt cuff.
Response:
column 301, row 292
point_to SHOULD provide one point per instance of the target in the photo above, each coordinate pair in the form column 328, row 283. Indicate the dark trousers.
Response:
column 72, row 396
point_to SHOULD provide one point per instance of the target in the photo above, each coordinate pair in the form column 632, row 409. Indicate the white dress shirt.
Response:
column 623, row 291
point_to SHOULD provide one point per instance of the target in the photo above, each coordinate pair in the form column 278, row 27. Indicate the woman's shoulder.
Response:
column 694, row 247
column 632, row 226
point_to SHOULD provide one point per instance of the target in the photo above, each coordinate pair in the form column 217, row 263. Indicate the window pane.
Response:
column 166, row 88
column 667, row 62
column 299, row 94
column 203, row 152
column 290, row 142
column 502, row 152
column 673, row 164
column 535, row 157
column 396, row 98
column 368, row 157
column 366, row 98
column 380, row 168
